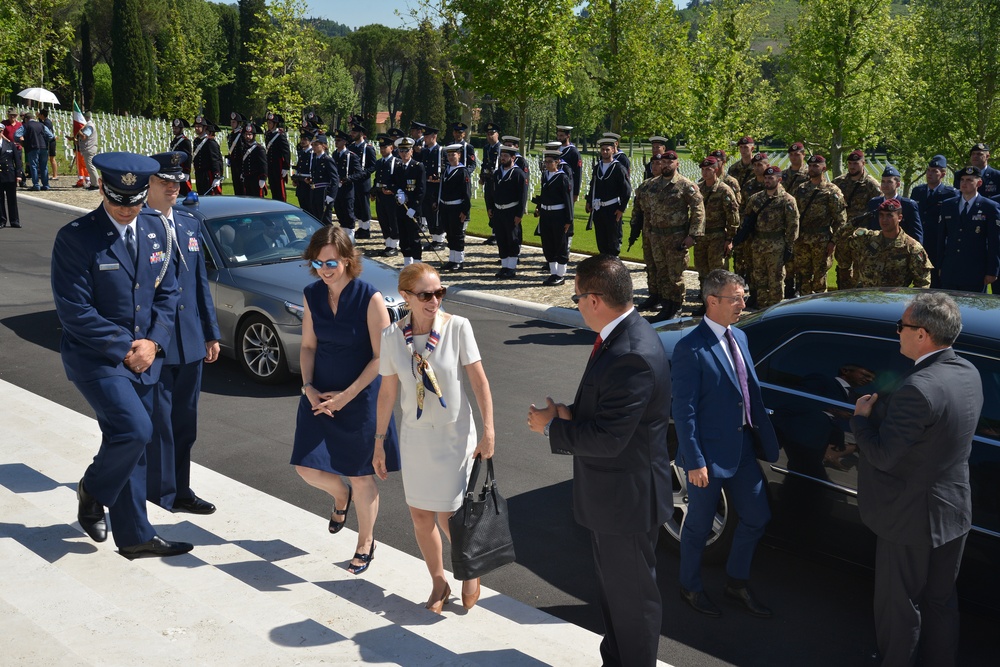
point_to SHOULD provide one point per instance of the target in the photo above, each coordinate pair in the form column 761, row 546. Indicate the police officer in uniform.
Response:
column 979, row 157
column 279, row 155
column 969, row 237
column 822, row 212
column 554, row 208
column 303, row 169
column 489, row 164
column 454, row 206
column 571, row 156
column 888, row 257
column 889, row 187
column 195, row 340
column 116, row 296
column 434, row 162
column 235, row 156
column 410, row 181
column 384, row 195
column 323, row 181
column 929, row 196
column 206, row 158
column 777, row 227
column 349, row 168
column 608, row 198
column 506, row 209
column 365, row 152
column 180, row 142
column 254, row 163
column 858, row 188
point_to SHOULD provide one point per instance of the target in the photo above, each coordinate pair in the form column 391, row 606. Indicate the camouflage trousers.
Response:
column 845, row 260
column 767, row 279
column 710, row 254
column 647, row 258
column 742, row 260
column 669, row 261
column 811, row 263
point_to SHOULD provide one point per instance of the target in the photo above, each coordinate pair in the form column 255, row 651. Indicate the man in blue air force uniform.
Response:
column 116, row 297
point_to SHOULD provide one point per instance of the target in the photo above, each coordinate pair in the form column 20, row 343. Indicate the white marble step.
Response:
column 270, row 591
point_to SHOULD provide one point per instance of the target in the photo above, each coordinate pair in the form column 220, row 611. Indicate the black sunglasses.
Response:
column 576, row 297
column 427, row 296
column 900, row 326
column 330, row 264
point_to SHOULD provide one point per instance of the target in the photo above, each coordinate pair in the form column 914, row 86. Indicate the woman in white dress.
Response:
column 422, row 358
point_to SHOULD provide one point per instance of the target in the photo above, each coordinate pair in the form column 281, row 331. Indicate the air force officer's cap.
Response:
column 125, row 176
column 170, row 166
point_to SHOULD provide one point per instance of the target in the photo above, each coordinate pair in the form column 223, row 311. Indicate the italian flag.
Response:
column 81, row 166
column 78, row 120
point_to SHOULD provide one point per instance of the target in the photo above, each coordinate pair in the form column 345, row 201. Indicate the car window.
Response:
column 262, row 237
column 835, row 365
column 989, row 371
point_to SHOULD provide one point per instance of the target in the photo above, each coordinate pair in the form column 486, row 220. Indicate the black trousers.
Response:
column 388, row 213
column 277, row 185
column 629, row 597
column 508, row 234
column 608, row 231
column 318, row 206
column 555, row 241
column 343, row 206
column 362, row 204
column 916, row 602
column 454, row 228
column 303, row 193
column 409, row 236
column 434, row 220
column 8, row 204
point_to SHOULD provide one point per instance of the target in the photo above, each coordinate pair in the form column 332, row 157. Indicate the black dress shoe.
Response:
column 700, row 602
column 447, row 266
column 553, row 280
column 156, row 547
column 390, row 252
column 651, row 302
column 490, row 240
column 15, row 225
column 670, row 309
column 455, row 266
column 745, row 598
column 362, row 233
column 194, row 505
column 90, row 514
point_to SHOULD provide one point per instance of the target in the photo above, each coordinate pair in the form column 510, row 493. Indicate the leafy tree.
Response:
column 103, row 97
column 429, row 89
column 839, row 75
column 227, row 53
column 282, row 54
column 642, row 47
column 584, row 107
column 516, row 50
column 385, row 55
column 131, row 65
column 729, row 96
column 13, row 29
column 45, row 41
column 254, row 27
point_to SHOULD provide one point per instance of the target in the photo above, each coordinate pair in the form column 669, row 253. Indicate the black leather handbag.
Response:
column 480, row 531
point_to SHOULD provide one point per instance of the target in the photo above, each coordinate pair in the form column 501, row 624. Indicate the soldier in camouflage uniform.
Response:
column 777, row 226
column 822, row 212
column 722, row 219
column 797, row 172
column 742, row 169
column 673, row 216
column 858, row 187
column 654, row 301
column 888, row 257
column 742, row 258
column 722, row 175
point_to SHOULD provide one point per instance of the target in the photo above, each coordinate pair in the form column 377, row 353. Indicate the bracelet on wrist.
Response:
column 380, row 436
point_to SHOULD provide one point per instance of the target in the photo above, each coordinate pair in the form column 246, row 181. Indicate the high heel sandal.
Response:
column 366, row 560
column 469, row 601
column 335, row 526
column 437, row 605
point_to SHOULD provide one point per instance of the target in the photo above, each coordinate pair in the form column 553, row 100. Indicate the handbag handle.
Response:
column 488, row 482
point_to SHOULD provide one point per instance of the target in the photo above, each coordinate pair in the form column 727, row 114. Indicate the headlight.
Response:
column 295, row 309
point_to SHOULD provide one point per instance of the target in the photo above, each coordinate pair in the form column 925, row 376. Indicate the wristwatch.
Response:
column 545, row 431
column 158, row 348
column 306, row 386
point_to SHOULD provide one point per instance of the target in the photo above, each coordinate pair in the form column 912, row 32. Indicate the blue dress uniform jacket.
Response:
column 929, row 204
column 911, row 223
column 968, row 246
column 991, row 182
column 103, row 300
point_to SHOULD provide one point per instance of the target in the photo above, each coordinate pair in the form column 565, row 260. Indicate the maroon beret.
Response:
column 890, row 205
column 745, row 141
column 797, row 147
column 670, row 155
column 759, row 157
column 719, row 155
column 710, row 161
column 772, row 170
column 816, row 159
column 856, row 155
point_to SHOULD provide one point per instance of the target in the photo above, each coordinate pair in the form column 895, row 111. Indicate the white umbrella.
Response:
column 39, row 95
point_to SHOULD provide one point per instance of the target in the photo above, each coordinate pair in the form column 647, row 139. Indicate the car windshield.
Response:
column 262, row 238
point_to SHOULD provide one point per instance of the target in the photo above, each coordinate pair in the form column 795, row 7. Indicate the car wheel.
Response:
column 259, row 351
column 723, row 527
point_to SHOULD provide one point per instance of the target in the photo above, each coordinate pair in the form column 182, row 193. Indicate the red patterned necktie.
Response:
column 597, row 345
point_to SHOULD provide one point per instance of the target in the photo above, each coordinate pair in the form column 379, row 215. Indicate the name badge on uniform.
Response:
column 979, row 217
column 108, row 267
column 193, row 245
column 157, row 257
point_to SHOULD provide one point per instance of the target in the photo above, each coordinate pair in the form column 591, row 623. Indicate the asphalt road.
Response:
column 822, row 607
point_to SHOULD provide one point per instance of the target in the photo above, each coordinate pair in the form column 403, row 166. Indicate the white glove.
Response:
column 329, row 200
column 261, row 182
column 410, row 213
column 401, row 197
column 217, row 182
column 284, row 173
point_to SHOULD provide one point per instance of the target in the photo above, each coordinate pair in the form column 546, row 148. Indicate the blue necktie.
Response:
column 133, row 249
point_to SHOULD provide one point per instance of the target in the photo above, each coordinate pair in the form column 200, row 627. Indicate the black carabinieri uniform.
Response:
column 254, row 170
column 206, row 157
column 183, row 144
column 235, row 160
column 432, row 159
column 279, row 159
column 303, row 171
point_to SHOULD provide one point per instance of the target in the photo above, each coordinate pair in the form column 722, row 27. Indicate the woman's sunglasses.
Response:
column 330, row 264
column 427, row 296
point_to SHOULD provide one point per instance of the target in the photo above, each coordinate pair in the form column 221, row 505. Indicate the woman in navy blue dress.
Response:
column 335, row 427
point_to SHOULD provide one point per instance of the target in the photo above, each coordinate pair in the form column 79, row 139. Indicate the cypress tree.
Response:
column 131, row 68
column 430, row 98
column 86, row 60
column 245, row 99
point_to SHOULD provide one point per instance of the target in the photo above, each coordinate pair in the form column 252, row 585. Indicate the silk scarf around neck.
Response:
column 419, row 365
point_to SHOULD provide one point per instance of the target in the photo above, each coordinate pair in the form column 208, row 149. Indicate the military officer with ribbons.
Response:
column 969, row 237
column 384, row 195
column 608, row 198
column 195, row 341
column 279, row 155
column 508, row 199
column 116, row 296
column 410, row 183
column 822, row 213
column 454, row 205
column 365, row 153
column 180, row 142
column 888, row 257
column 206, row 158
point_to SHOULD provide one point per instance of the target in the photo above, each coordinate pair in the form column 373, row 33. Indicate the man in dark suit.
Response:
column 116, row 296
column 195, row 340
column 616, row 430
column 913, row 485
column 968, row 237
column 722, row 429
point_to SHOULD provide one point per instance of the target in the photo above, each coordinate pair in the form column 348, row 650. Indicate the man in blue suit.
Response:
column 722, row 429
column 890, row 190
column 195, row 340
column 116, row 295
column 968, row 242
column 616, row 431
column 929, row 197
